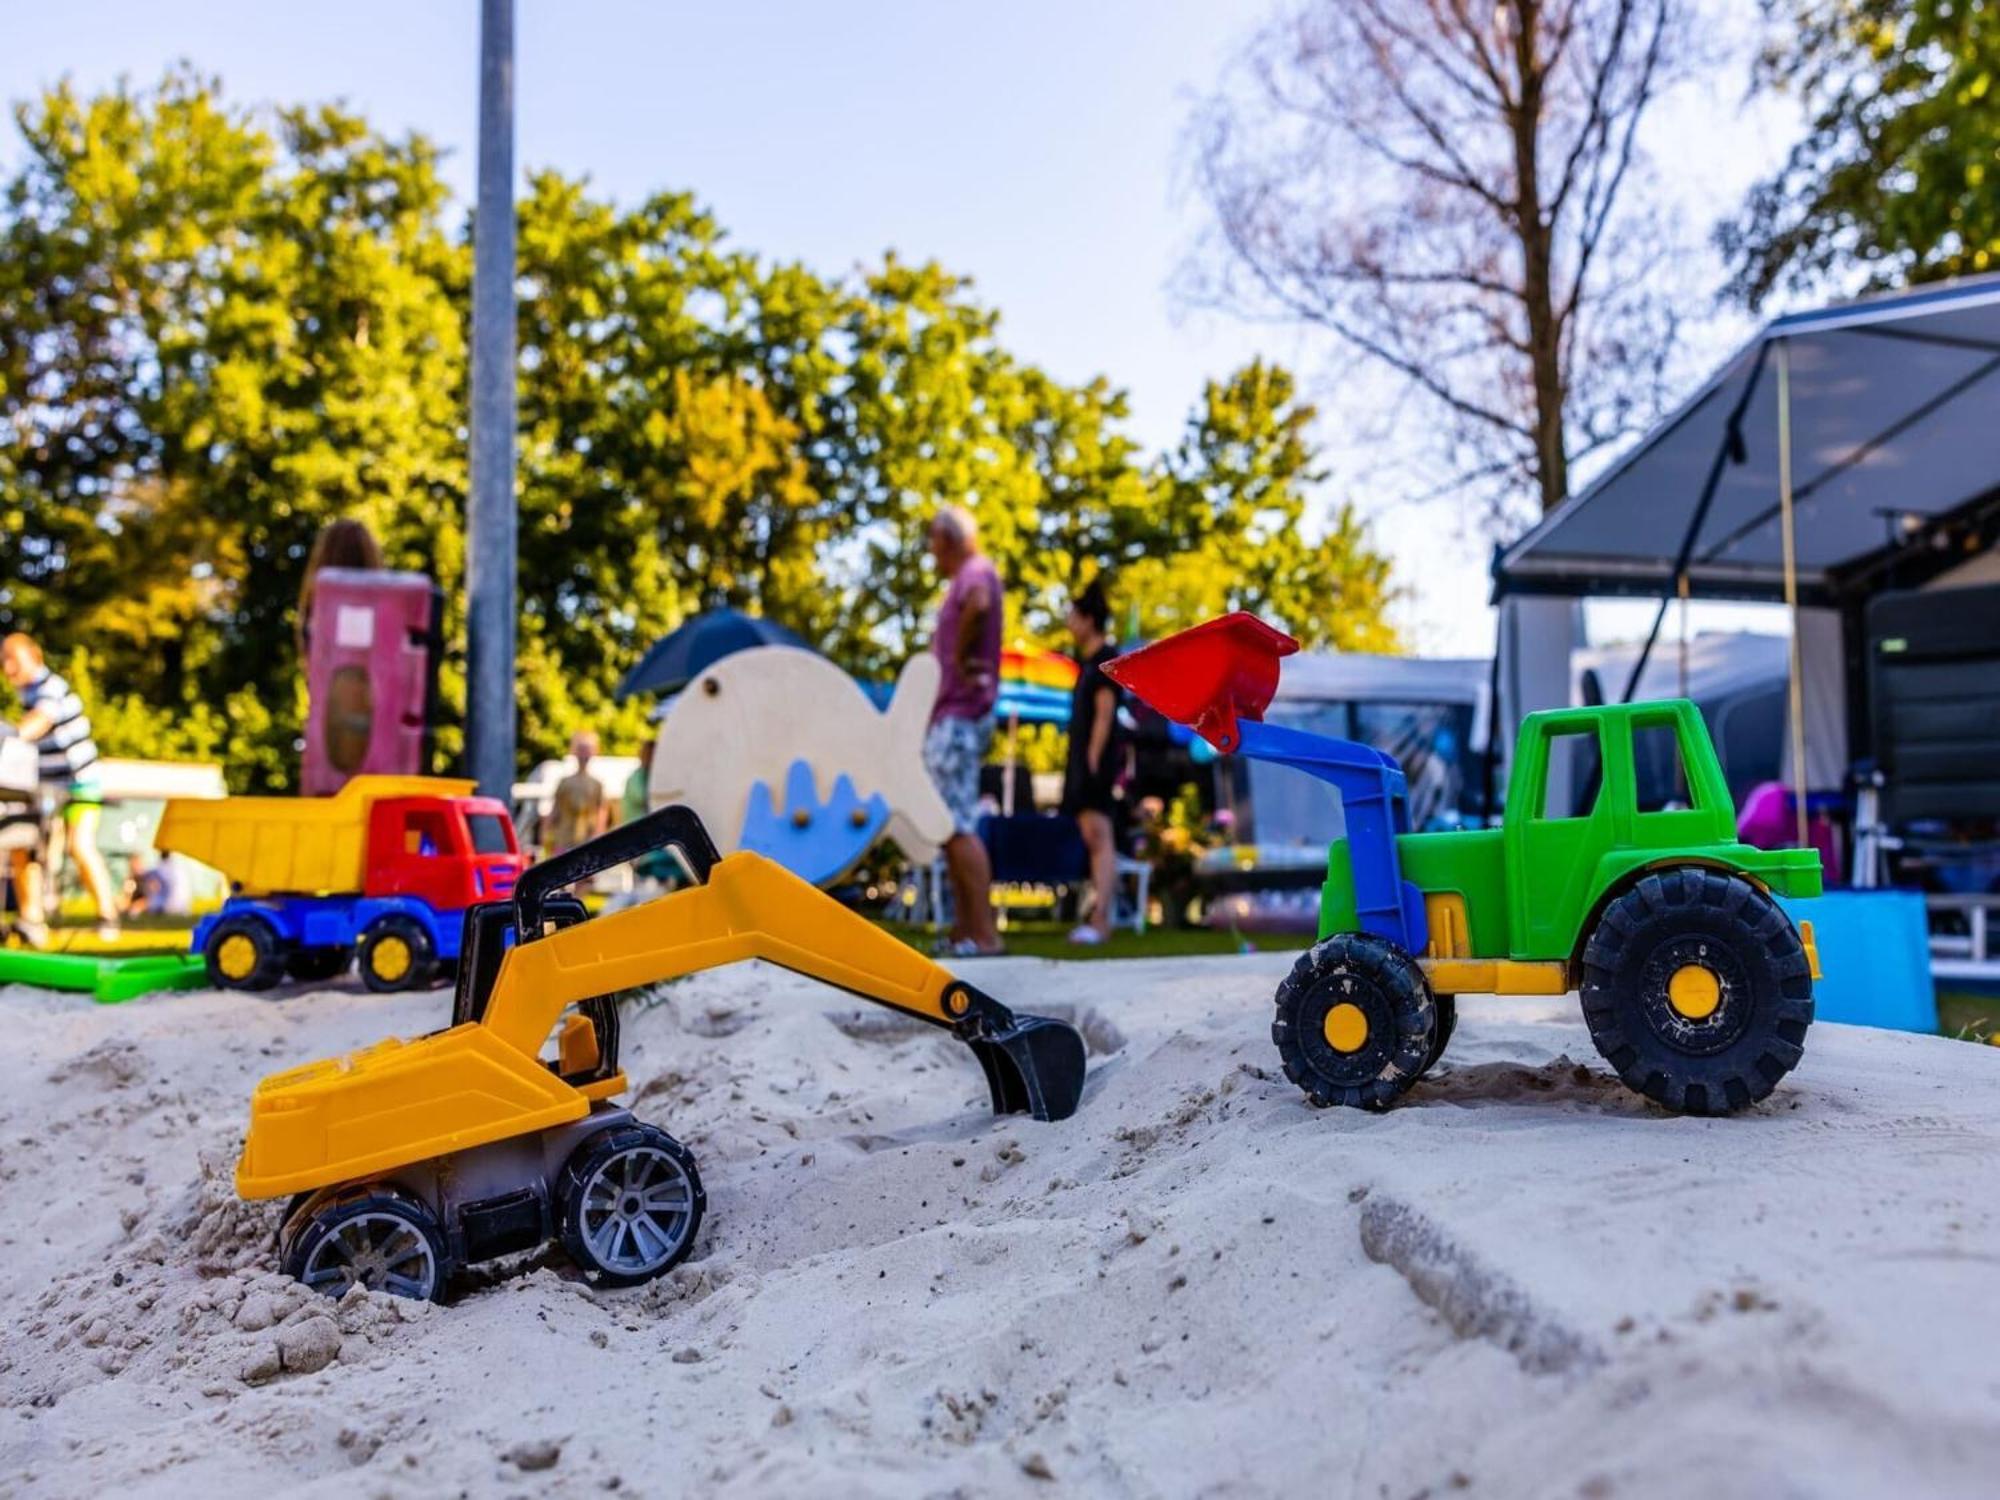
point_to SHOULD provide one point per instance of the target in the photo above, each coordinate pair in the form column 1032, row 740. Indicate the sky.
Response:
column 1036, row 146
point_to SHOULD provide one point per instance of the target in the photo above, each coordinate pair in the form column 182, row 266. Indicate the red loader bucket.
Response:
column 1208, row 677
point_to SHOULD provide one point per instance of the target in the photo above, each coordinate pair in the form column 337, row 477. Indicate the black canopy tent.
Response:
column 1839, row 453
column 1894, row 415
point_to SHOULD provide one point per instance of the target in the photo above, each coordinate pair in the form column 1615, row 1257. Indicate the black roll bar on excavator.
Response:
column 483, row 940
column 678, row 828
column 1033, row 1064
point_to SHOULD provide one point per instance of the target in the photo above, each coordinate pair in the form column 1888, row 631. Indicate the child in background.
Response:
column 55, row 721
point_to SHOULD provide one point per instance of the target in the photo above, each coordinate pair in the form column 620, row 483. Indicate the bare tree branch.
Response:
column 1441, row 184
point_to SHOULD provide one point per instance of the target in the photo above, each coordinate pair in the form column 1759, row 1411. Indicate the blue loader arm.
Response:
column 1374, row 798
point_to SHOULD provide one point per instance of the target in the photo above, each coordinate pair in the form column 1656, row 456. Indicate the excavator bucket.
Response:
column 1209, row 676
column 1033, row 1065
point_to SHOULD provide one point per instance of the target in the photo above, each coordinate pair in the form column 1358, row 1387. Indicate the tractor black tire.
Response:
column 377, row 1237
column 1399, row 1041
column 317, row 965
column 629, row 1204
column 396, row 954
column 1752, row 996
column 244, row 953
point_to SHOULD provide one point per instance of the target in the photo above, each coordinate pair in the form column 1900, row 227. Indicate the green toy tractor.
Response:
column 1696, row 986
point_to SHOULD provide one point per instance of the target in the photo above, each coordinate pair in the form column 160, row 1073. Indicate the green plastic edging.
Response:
column 107, row 980
column 121, row 979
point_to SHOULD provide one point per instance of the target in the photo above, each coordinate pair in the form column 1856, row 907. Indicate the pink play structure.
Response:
column 1767, row 820
column 370, row 664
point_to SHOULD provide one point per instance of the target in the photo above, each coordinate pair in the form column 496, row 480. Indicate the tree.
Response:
column 1443, row 185
column 917, row 404
column 215, row 335
column 1896, row 177
column 1230, row 517
column 220, row 329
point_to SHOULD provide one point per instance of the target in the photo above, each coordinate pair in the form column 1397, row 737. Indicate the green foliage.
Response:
column 1899, row 168
column 1234, row 498
column 221, row 329
column 216, row 334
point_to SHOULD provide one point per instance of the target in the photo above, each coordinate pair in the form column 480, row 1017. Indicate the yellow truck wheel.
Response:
column 244, row 953
column 396, row 954
column 1697, row 990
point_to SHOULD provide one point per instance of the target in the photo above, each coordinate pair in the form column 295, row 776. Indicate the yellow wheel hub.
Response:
column 236, row 956
column 390, row 958
column 1346, row 1028
column 1694, row 992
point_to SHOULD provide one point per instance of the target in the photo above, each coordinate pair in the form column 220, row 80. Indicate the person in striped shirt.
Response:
column 55, row 721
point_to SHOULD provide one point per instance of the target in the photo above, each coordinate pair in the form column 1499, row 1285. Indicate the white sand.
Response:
column 1525, row 1281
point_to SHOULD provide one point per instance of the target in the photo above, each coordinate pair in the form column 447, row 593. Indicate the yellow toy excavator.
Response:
column 408, row 1160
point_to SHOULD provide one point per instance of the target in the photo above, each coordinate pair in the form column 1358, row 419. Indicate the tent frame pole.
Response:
column 1787, row 527
column 1730, row 447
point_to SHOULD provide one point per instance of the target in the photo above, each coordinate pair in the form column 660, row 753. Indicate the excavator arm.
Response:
column 743, row 906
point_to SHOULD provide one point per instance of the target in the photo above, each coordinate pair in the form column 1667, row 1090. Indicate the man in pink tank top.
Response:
column 968, row 650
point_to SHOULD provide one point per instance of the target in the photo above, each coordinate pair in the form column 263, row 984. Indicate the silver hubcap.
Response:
column 636, row 1210
column 381, row 1251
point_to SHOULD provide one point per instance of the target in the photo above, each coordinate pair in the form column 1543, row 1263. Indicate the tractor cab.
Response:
column 1576, row 825
column 1572, row 801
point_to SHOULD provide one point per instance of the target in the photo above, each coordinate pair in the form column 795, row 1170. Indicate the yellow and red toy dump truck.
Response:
column 1696, row 985
column 382, row 871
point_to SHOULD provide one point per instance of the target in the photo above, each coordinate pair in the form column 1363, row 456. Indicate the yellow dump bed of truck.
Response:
column 297, row 845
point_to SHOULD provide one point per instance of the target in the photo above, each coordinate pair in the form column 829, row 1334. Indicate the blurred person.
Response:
column 579, row 811
column 55, row 721
column 1090, row 774
column 632, row 802
column 661, row 869
column 967, row 645
column 157, row 887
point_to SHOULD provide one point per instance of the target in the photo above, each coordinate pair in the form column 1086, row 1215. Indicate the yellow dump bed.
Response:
column 299, row 845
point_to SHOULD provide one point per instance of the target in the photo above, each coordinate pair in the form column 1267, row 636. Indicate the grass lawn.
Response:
column 1968, row 1013
column 1050, row 940
column 77, row 933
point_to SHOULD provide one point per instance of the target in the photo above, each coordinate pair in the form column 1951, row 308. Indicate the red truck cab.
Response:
column 448, row 851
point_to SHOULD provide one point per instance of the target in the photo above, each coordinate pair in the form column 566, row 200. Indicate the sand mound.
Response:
column 1524, row 1282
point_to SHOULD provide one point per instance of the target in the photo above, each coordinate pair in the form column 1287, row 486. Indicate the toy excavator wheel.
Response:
column 396, row 954
column 381, row 1240
column 244, row 953
column 312, row 965
column 629, row 1203
column 1356, row 1024
column 1697, row 990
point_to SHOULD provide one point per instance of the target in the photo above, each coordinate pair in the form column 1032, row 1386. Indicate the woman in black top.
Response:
column 1092, row 769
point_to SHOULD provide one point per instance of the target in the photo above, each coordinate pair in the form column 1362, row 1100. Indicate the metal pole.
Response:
column 490, row 519
column 1731, row 447
column 1797, row 696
